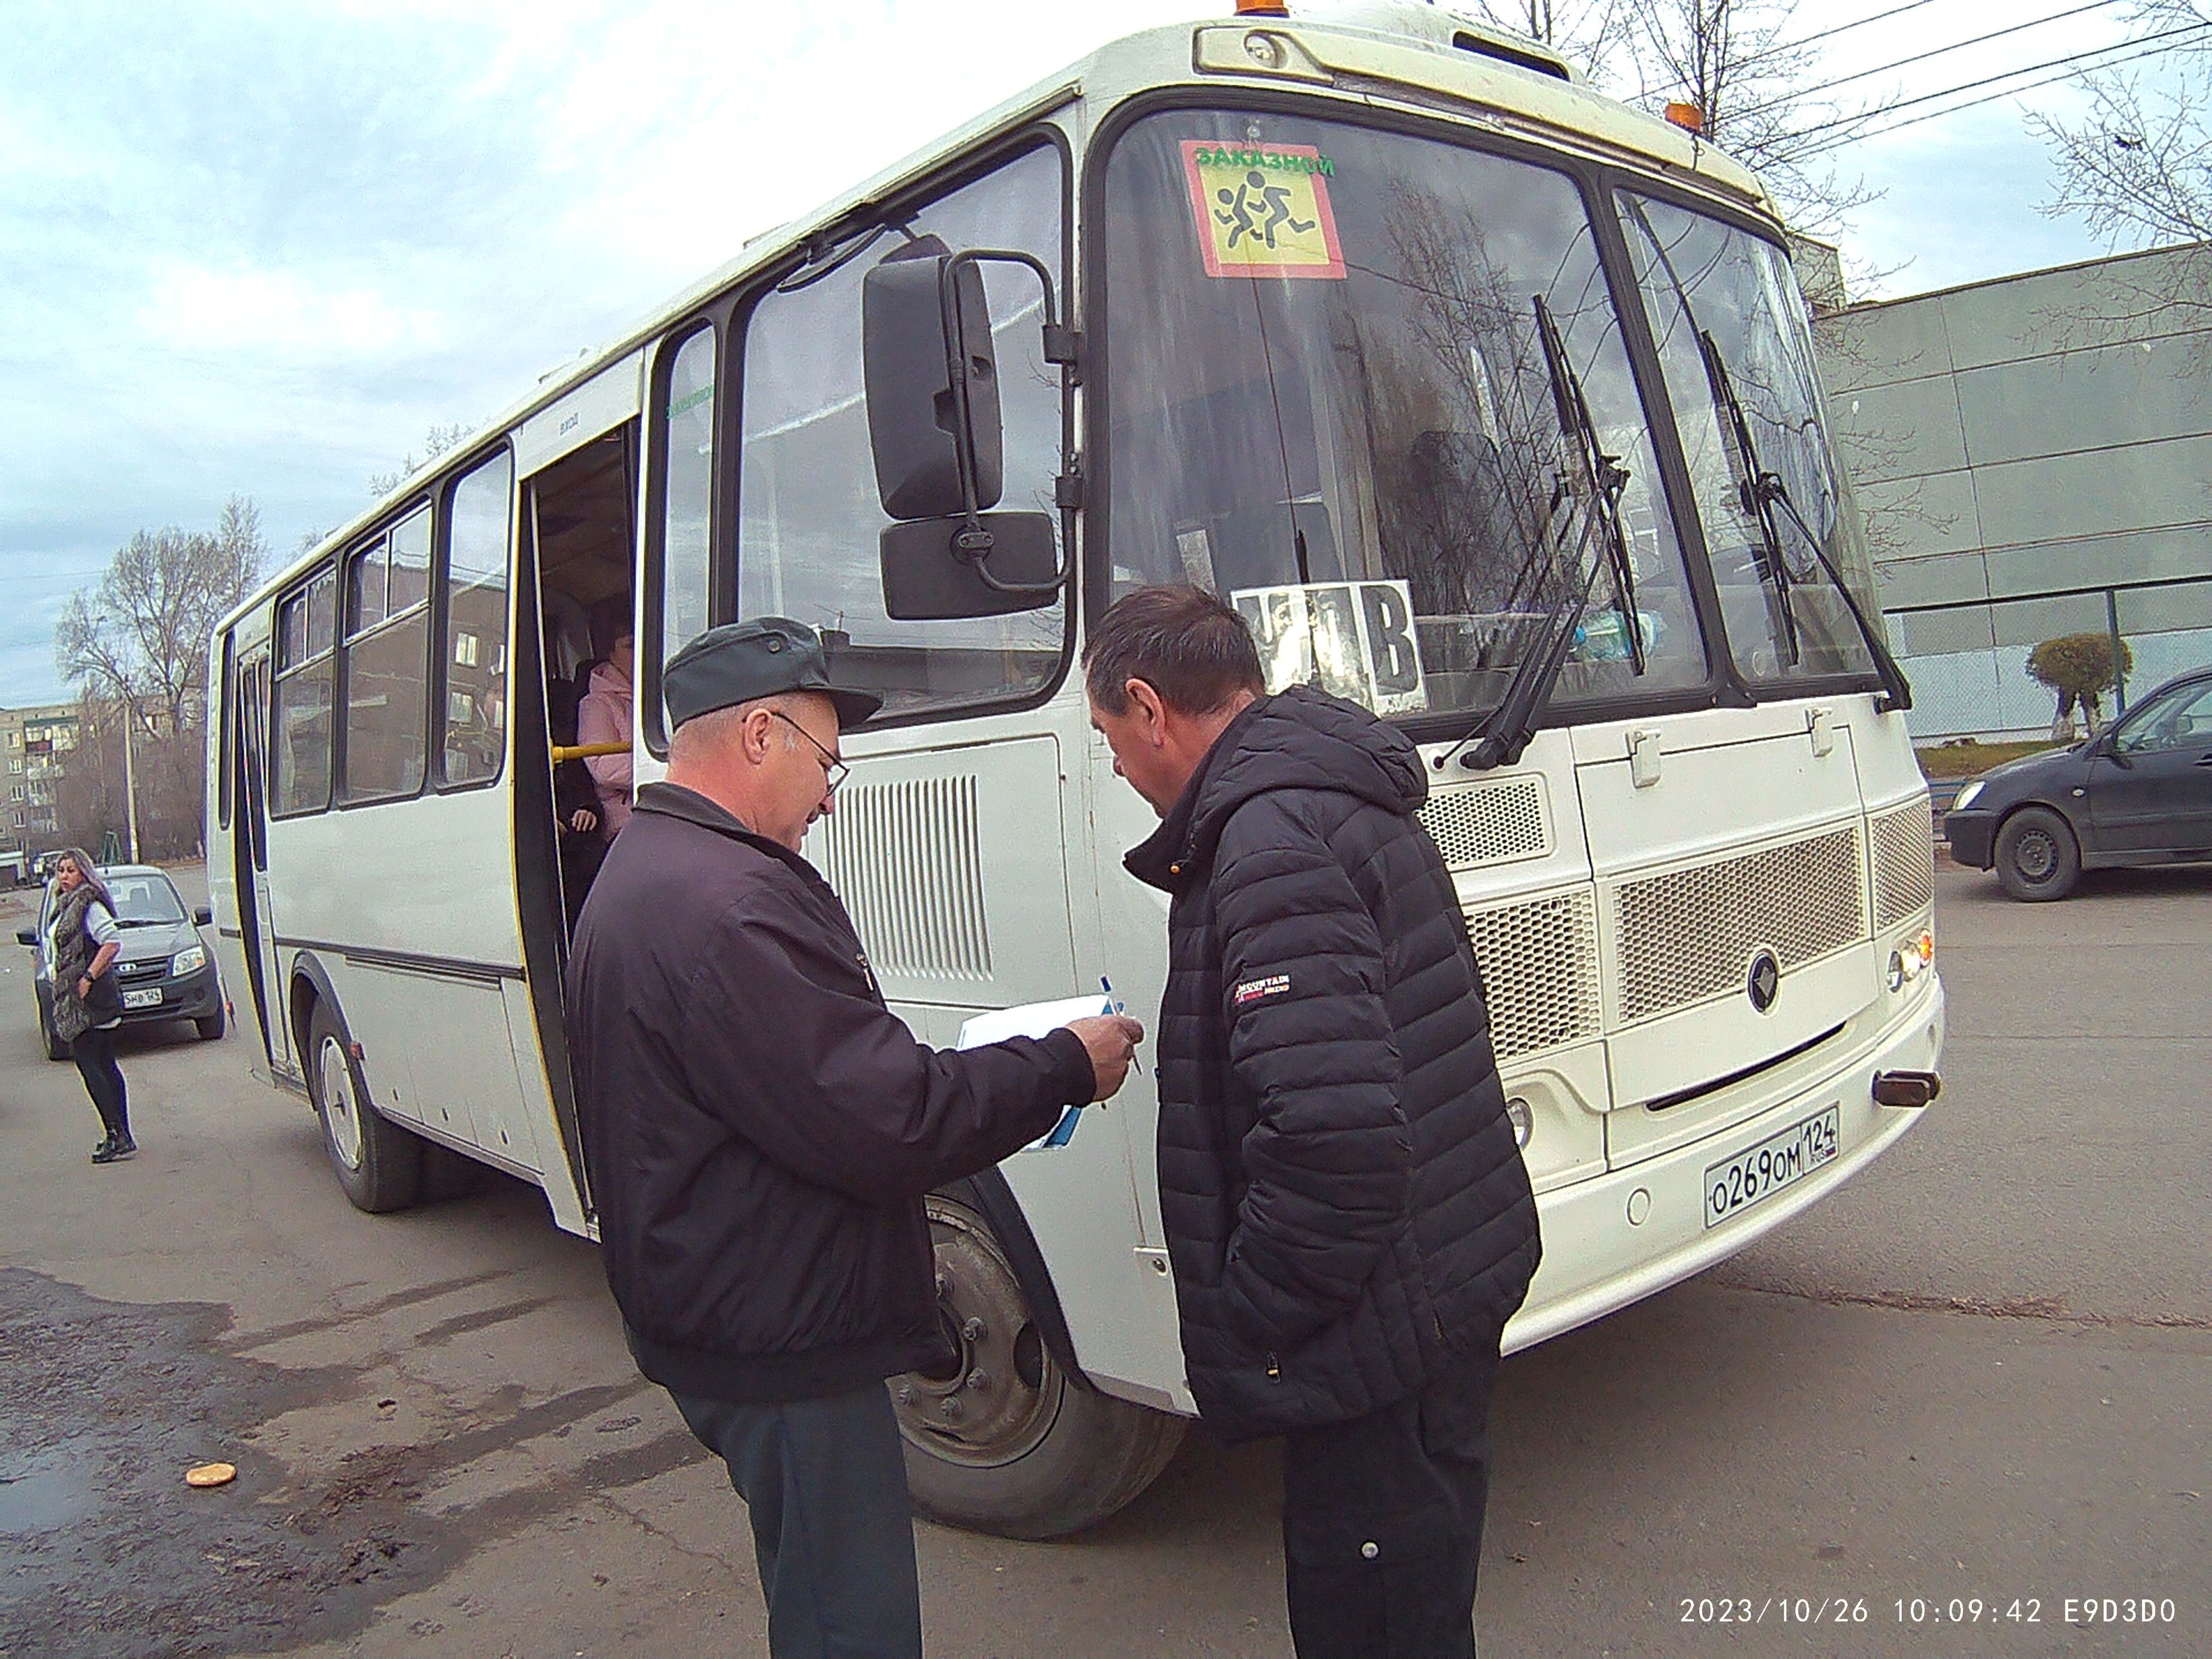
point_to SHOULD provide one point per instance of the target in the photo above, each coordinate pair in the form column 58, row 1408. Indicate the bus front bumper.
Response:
column 1633, row 1231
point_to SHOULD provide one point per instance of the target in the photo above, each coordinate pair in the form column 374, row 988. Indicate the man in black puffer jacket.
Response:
column 1350, row 1222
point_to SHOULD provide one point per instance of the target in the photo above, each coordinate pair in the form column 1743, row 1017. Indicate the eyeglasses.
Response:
column 834, row 769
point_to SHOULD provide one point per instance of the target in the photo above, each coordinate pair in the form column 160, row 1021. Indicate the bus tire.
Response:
column 1005, row 1440
column 378, row 1163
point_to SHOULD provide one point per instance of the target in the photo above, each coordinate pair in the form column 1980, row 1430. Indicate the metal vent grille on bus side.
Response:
column 1489, row 824
column 904, row 856
column 1538, row 961
column 1690, row 934
column 1903, row 863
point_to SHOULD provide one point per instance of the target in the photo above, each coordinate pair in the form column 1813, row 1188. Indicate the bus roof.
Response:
column 1374, row 51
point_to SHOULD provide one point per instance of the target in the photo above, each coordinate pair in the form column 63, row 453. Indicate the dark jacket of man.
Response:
column 1344, row 1207
column 758, row 1128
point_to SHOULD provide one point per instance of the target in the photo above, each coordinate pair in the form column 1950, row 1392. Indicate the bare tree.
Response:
column 2138, row 166
column 144, row 633
column 1758, row 91
column 435, row 442
column 2136, row 170
column 137, row 645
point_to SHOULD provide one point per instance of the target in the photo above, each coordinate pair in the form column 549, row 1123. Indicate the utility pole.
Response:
column 129, row 775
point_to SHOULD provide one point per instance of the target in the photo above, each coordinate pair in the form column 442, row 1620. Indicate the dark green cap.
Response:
column 760, row 657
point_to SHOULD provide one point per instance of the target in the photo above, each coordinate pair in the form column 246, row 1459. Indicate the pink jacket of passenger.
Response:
column 603, row 716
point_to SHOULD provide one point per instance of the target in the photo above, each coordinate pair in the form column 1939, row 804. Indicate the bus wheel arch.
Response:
column 1011, row 1438
column 379, row 1165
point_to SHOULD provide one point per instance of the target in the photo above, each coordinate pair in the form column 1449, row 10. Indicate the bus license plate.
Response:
column 147, row 998
column 1734, row 1185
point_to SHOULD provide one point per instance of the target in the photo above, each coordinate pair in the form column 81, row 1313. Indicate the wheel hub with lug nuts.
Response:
column 995, row 1396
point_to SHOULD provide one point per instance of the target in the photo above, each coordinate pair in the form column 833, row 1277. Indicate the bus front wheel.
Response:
column 1002, row 1439
column 378, row 1163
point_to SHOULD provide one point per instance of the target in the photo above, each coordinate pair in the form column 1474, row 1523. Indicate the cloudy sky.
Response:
column 261, row 248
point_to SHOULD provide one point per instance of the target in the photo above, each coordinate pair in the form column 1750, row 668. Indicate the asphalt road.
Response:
column 1982, row 1372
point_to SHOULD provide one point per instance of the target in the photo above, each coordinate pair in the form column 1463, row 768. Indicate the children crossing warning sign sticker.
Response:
column 1262, row 211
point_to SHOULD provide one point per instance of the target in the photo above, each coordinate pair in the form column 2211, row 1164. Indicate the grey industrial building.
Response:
column 2033, row 456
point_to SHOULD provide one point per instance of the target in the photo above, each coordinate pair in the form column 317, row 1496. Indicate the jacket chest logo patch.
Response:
column 1258, row 990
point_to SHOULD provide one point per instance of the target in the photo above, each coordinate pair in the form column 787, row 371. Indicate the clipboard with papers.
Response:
column 1035, row 1019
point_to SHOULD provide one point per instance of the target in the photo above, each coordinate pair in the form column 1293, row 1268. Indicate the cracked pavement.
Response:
column 1984, row 1370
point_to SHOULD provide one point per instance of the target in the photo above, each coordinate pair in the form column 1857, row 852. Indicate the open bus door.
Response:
column 250, row 856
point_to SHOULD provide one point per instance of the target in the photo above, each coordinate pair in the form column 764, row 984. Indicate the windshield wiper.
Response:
column 1761, row 491
column 1597, row 481
column 1751, row 494
column 1602, row 474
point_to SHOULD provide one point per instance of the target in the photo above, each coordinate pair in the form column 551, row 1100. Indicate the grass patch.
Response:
column 1967, row 760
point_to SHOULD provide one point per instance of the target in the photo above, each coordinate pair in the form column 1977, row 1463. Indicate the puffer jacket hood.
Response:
column 1299, row 738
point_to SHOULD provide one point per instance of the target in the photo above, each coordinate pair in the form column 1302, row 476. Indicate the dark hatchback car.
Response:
column 2137, row 794
column 163, row 968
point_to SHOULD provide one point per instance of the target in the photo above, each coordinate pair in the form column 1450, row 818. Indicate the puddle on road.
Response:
column 42, row 1491
column 103, row 1548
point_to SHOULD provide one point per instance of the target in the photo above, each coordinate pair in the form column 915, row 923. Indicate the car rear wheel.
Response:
column 378, row 1163
column 1003, row 1440
column 2037, row 859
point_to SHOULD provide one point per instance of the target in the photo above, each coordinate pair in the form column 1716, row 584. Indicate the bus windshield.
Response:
column 1730, row 327
column 1332, row 402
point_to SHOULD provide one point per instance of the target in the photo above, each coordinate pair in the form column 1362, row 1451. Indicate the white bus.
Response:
column 1489, row 400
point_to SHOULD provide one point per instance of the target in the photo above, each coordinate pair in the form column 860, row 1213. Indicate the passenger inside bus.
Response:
column 603, row 715
column 583, row 504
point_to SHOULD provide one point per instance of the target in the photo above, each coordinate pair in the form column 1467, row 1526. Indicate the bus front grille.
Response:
column 1903, row 863
column 1687, row 935
column 1489, row 823
column 1538, row 961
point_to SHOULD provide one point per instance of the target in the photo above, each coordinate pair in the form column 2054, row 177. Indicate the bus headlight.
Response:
column 1523, row 1120
column 1912, row 957
column 190, row 960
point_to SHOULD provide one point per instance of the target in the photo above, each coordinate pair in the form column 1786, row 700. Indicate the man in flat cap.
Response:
column 760, row 1130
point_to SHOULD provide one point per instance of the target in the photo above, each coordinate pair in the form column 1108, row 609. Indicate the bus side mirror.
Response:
column 936, row 570
column 932, row 384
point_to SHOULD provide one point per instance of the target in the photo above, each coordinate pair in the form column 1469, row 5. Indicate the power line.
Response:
column 2079, row 61
column 1989, row 98
column 1841, row 28
column 1799, row 95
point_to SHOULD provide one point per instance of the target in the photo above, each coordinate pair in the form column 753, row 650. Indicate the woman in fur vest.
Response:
column 82, row 941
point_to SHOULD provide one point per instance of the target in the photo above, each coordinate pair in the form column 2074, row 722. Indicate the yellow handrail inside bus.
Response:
column 569, row 751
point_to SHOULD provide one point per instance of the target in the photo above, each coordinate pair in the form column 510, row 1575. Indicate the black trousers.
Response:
column 94, row 1053
column 1382, row 1524
column 824, row 1482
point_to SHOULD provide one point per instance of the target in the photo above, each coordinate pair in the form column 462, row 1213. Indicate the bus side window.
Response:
column 477, row 543
column 299, row 746
column 387, row 635
column 808, row 509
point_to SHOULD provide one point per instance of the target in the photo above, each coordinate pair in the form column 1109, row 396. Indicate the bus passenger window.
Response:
column 387, row 637
column 300, row 745
column 475, row 622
